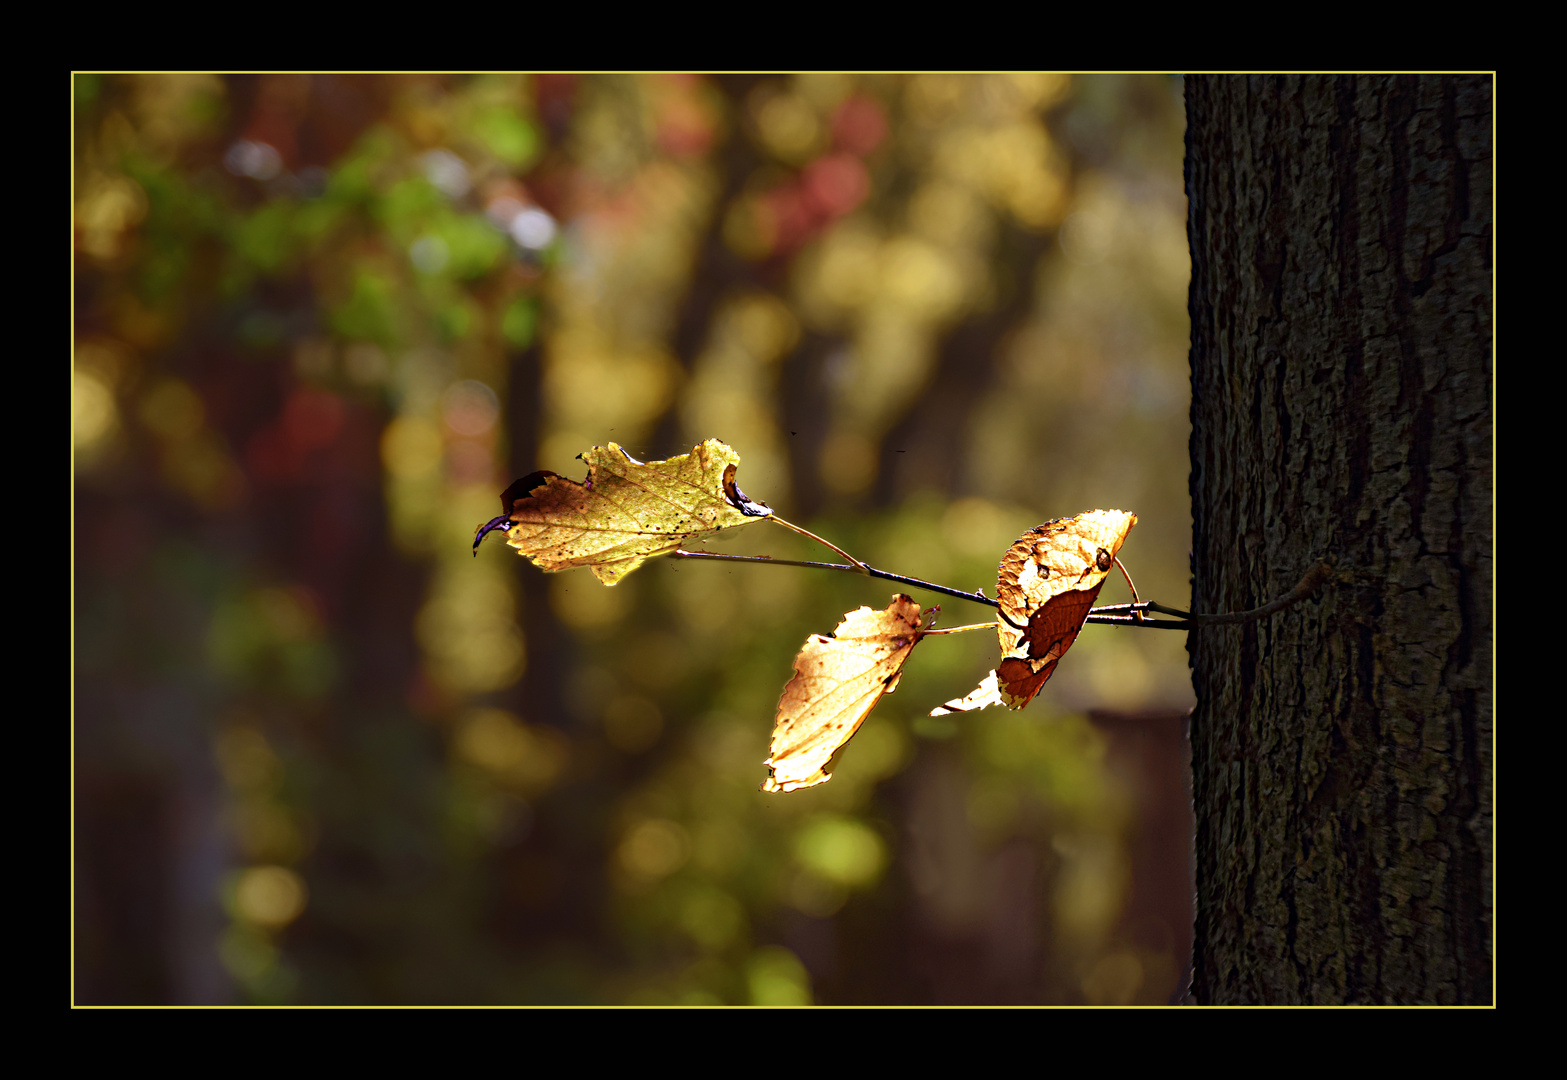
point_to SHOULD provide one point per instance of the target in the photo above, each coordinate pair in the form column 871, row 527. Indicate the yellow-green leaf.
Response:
column 626, row 511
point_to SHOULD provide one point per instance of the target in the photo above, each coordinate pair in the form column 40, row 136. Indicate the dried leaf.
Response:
column 626, row 511
column 837, row 682
column 1048, row 580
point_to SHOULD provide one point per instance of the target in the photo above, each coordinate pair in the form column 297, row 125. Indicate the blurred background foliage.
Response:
column 325, row 754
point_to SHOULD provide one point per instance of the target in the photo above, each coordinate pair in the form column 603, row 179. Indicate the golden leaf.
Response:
column 626, row 512
column 1048, row 580
column 837, row 682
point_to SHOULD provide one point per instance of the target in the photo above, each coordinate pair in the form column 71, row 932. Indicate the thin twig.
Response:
column 859, row 568
column 1136, row 619
column 1320, row 574
column 1133, row 614
column 961, row 629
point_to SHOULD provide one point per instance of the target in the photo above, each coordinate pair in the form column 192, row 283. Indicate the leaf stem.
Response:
column 859, row 567
column 1138, row 617
column 960, row 629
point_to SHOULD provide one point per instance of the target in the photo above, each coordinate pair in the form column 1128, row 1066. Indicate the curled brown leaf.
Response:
column 1046, row 584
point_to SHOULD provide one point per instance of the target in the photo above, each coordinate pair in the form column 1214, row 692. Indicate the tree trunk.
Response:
column 1341, row 406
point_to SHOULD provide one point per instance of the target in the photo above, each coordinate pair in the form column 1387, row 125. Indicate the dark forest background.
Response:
column 323, row 754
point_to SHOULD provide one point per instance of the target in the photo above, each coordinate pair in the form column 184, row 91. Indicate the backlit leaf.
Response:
column 625, row 512
column 1048, row 580
column 837, row 682
column 983, row 696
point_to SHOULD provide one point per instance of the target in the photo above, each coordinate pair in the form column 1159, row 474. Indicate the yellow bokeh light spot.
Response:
column 749, row 228
column 846, row 270
column 1040, row 199
column 582, row 603
column 823, row 89
column 1091, row 888
column 593, row 385
column 172, row 410
column 201, row 469
column 246, row 759
column 1120, row 674
column 977, row 528
column 268, row 832
column 1040, row 89
column 949, row 214
column 841, row 850
column 712, row 917
column 763, row 325
column 493, row 740
column 269, row 896
column 776, row 977
column 483, row 661
column 411, row 447
column 290, row 613
column 932, row 98
column 108, row 206
column 92, row 409
column 246, row 953
column 880, row 750
column 915, row 276
column 468, row 628
column 523, row 755
column 1087, row 237
column 653, row 849
column 787, row 124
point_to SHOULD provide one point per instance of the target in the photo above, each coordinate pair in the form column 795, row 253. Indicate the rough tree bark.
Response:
column 1341, row 406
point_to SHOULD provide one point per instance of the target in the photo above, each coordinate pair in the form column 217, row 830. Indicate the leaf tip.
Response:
column 739, row 499
column 503, row 522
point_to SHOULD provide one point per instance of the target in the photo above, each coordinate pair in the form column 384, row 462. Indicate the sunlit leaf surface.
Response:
column 837, row 682
column 1048, row 580
column 627, row 510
